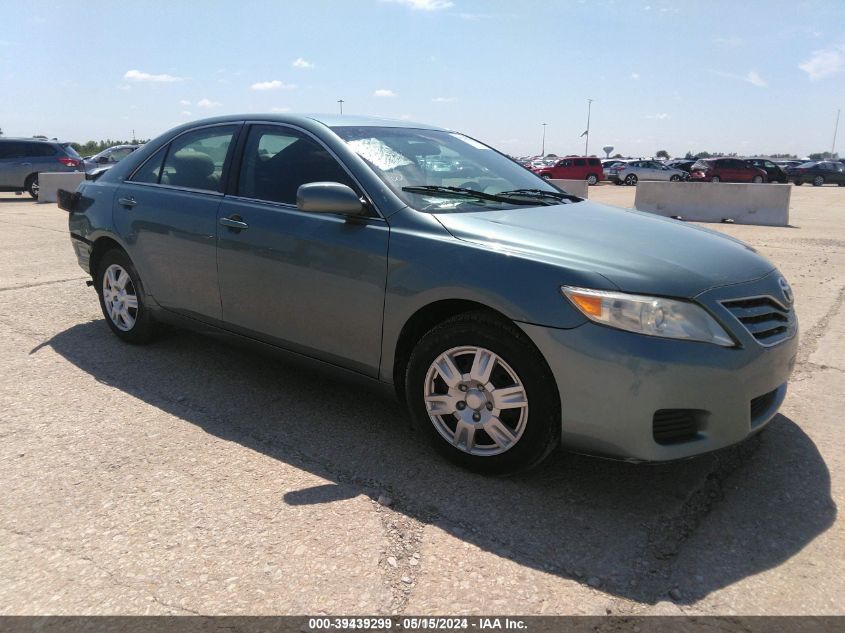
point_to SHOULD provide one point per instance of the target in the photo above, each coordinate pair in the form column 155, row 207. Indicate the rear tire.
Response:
column 631, row 180
column 123, row 300
column 675, row 178
column 818, row 181
column 715, row 179
column 757, row 180
column 521, row 434
column 546, row 176
column 31, row 186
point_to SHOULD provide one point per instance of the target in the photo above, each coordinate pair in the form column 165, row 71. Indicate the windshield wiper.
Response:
column 541, row 193
column 463, row 192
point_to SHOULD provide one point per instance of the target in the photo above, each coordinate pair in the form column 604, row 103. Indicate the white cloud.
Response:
column 384, row 92
column 444, row 99
column 185, row 113
column 424, row 5
column 274, row 84
column 184, row 102
column 302, row 63
column 208, row 103
column 635, row 75
column 660, row 116
column 137, row 75
column 825, row 63
column 756, row 80
column 279, row 109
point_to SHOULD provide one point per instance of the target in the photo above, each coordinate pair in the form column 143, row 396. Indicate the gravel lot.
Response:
column 195, row 477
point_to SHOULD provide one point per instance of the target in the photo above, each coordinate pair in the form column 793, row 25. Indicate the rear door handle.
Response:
column 234, row 222
column 127, row 202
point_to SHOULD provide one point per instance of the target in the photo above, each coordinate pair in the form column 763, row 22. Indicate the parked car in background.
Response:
column 726, row 170
column 631, row 172
column 774, row 173
column 22, row 159
column 606, row 165
column 818, row 173
column 784, row 164
column 684, row 164
column 109, row 157
column 608, row 331
column 573, row 168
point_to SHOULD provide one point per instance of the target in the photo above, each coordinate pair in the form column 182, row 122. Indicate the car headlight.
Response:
column 653, row 316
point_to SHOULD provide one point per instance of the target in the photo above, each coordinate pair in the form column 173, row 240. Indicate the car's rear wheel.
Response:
column 592, row 179
column 547, row 176
column 757, row 179
column 631, row 180
column 483, row 394
column 675, row 178
column 818, row 181
column 798, row 183
column 122, row 298
column 31, row 185
column 715, row 179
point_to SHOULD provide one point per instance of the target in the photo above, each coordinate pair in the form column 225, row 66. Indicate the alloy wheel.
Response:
column 476, row 401
column 120, row 298
column 818, row 181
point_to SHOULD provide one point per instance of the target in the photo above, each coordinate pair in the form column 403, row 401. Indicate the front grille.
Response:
column 672, row 426
column 761, row 404
column 764, row 318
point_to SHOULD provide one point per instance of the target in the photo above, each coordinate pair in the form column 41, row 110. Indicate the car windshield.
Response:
column 438, row 171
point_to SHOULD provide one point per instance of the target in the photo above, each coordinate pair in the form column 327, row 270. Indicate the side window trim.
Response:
column 234, row 179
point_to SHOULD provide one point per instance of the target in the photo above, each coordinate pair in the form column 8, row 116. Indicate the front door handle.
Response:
column 235, row 222
column 127, row 202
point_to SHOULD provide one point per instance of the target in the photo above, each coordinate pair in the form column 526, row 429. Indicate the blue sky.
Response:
column 746, row 76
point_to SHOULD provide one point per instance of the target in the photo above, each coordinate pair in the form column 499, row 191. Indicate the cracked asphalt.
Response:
column 192, row 476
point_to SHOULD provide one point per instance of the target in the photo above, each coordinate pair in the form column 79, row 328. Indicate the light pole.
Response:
column 587, row 141
column 340, row 102
column 835, row 130
column 543, row 149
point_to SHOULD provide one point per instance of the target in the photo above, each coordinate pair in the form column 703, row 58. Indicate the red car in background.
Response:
column 573, row 168
column 726, row 170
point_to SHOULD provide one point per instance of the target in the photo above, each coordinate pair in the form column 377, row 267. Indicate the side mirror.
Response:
column 329, row 197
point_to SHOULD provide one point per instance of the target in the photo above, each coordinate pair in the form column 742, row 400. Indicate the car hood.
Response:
column 637, row 252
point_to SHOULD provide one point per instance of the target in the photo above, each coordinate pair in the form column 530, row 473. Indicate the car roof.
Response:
column 31, row 140
column 329, row 120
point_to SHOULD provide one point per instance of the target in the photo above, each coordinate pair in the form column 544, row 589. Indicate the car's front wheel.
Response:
column 547, row 176
column 122, row 298
column 592, row 179
column 631, row 180
column 483, row 394
column 818, row 181
column 715, row 179
column 757, row 180
column 675, row 178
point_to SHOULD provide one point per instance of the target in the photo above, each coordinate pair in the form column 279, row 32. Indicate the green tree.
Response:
column 823, row 156
column 662, row 154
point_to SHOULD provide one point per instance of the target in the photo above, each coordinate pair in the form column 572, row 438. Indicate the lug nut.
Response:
column 489, row 406
column 461, row 405
column 462, row 387
column 476, row 416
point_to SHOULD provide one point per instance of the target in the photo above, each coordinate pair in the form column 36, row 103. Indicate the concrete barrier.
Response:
column 764, row 204
column 578, row 188
column 51, row 181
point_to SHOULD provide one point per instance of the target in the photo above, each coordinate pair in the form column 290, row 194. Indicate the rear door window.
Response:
column 580, row 162
column 195, row 160
column 150, row 171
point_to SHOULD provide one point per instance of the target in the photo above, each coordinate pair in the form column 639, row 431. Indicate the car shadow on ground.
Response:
column 634, row 530
column 23, row 198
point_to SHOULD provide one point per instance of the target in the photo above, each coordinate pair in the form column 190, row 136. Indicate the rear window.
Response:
column 40, row 149
column 700, row 165
column 595, row 162
column 70, row 151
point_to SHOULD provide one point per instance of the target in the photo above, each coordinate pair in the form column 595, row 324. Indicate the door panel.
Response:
column 171, row 237
column 313, row 283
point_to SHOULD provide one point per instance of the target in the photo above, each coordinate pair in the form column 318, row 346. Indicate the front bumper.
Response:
column 611, row 384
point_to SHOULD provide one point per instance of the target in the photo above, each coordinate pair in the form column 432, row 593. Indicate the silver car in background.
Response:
column 629, row 173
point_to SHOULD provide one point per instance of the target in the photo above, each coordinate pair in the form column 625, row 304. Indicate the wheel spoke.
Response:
column 110, row 278
column 131, row 301
column 464, row 436
column 440, row 404
column 498, row 432
column 447, row 370
column 510, row 397
column 121, row 280
column 482, row 366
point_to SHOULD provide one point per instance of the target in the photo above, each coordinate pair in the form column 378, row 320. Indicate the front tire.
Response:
column 483, row 394
column 122, row 299
column 818, row 181
column 546, row 176
column 31, row 186
column 592, row 179
column 631, row 180
column 715, row 179
column 675, row 178
column 757, row 180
